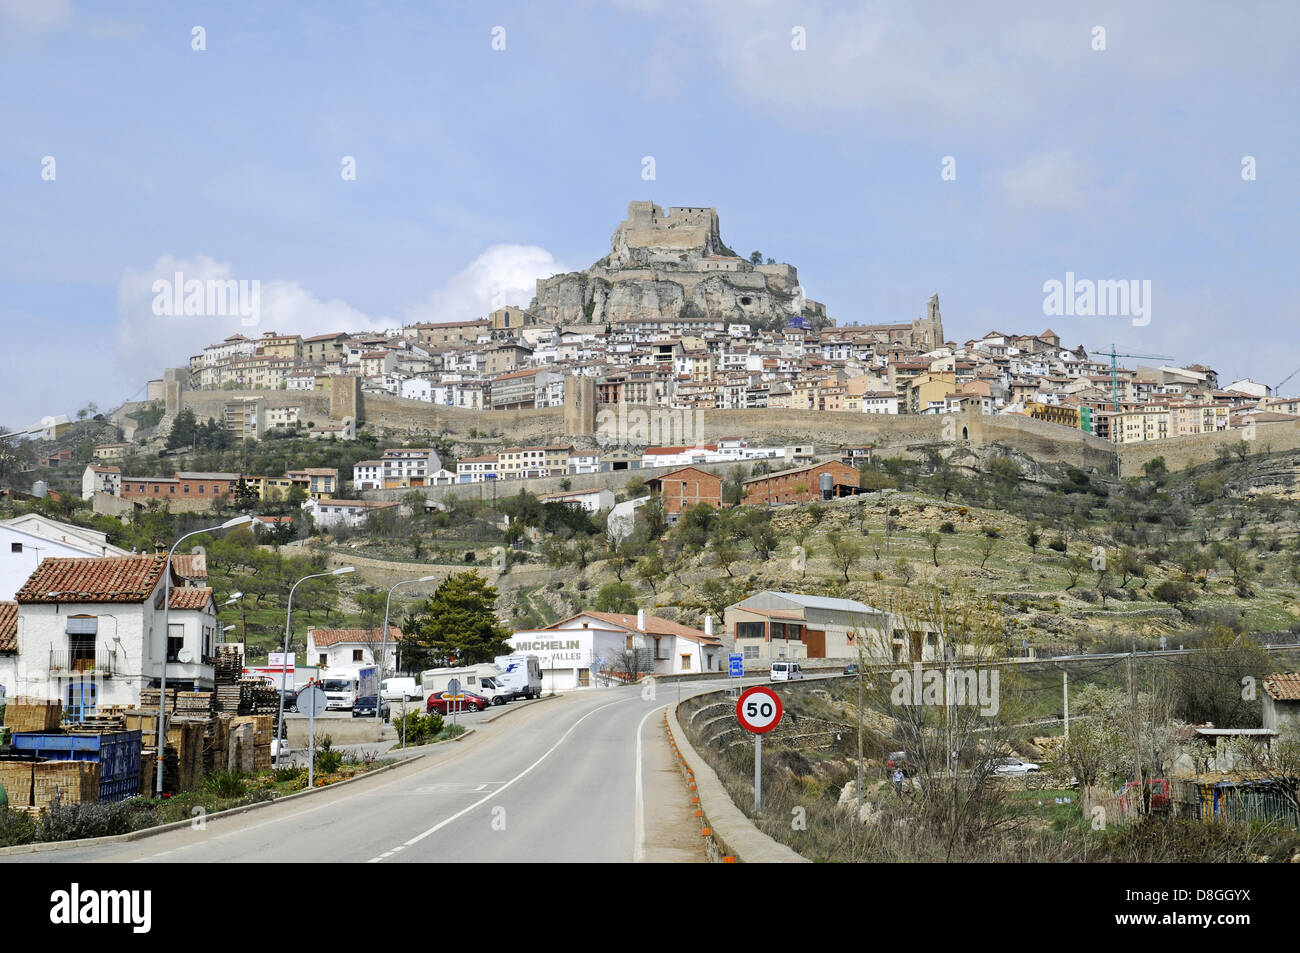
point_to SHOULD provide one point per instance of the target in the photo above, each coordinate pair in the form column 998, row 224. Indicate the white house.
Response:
column 367, row 475
column 593, row 501
column 574, row 650
column 350, row 649
column 328, row 514
column 100, row 479
column 90, row 632
column 26, row 540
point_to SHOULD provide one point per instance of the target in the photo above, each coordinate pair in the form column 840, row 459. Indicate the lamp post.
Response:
column 383, row 645
column 284, row 661
column 167, row 600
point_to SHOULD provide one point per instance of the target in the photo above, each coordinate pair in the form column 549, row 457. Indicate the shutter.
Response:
column 83, row 625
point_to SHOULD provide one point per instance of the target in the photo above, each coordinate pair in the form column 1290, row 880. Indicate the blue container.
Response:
column 117, row 752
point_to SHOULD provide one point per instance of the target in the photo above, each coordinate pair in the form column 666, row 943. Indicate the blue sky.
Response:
column 479, row 167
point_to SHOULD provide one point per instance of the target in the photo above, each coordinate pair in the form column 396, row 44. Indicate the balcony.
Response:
column 69, row 664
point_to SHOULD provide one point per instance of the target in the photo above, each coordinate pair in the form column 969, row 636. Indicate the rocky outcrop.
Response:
column 674, row 267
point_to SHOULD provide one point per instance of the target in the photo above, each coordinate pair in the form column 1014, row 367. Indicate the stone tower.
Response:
column 579, row 406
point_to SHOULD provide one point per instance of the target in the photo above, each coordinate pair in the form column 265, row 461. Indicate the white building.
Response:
column 100, row 479
column 329, row 514
column 90, row 632
column 593, row 501
column 367, row 475
column 577, row 650
column 350, row 649
column 26, row 540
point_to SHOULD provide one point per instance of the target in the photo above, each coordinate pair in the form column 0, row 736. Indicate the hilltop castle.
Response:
column 674, row 267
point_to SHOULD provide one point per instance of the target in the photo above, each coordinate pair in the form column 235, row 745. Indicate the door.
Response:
column 80, row 700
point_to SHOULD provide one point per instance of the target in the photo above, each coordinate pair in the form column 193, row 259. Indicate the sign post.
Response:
column 736, row 670
column 310, row 701
column 453, row 689
column 758, row 710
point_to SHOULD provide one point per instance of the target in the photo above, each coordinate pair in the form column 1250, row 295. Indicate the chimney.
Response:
column 708, row 625
column 640, row 619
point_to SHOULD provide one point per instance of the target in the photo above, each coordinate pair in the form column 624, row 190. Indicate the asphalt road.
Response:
column 584, row 777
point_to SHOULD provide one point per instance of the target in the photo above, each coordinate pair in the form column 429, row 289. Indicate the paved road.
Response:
column 584, row 777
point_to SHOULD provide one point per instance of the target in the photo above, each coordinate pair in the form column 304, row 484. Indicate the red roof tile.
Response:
column 190, row 597
column 326, row 637
column 1285, row 686
column 8, row 627
column 107, row 579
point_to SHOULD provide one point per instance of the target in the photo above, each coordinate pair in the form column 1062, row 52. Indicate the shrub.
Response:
column 16, row 827
column 75, row 821
column 287, row 774
column 327, row 759
column 1057, row 545
column 947, row 527
column 226, row 784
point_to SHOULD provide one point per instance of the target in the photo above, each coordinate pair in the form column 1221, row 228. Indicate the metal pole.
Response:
column 162, row 691
column 311, row 748
column 1066, row 683
column 758, row 773
column 284, row 661
column 383, row 645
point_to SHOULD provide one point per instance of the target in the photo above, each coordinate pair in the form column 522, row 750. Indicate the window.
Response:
column 15, row 547
column 686, row 663
column 323, row 659
column 356, row 655
column 751, row 651
column 175, row 639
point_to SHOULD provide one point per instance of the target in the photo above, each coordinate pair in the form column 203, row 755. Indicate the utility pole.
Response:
column 1137, row 737
column 1065, row 675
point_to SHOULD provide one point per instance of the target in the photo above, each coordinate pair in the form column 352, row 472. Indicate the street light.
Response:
column 167, row 600
column 284, row 659
column 383, row 645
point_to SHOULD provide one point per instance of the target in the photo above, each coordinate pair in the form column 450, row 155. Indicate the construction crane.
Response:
column 1277, row 391
column 1114, row 369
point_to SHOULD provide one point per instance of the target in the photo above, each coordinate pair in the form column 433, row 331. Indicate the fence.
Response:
column 1238, row 802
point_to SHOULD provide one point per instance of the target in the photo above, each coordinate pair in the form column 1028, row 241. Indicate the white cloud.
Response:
column 36, row 15
column 502, row 275
column 147, row 343
column 1050, row 181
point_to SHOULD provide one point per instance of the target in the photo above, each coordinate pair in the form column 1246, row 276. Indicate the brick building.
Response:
column 801, row 485
column 684, row 488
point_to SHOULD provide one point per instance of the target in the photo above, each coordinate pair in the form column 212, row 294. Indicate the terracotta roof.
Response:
column 190, row 597
column 189, row 566
column 326, row 637
column 8, row 627
column 1285, row 686
column 654, row 625
column 106, row 579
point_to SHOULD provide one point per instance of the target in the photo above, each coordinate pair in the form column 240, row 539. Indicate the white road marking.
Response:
column 483, row 800
column 639, row 837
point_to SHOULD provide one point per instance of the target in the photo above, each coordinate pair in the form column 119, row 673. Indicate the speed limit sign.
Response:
column 758, row 709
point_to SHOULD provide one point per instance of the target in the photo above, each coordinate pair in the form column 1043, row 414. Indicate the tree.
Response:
column 650, row 569
column 184, row 428
column 1130, row 564
column 1032, row 538
column 846, row 551
column 459, row 621
column 933, row 540
column 1075, row 564
column 986, row 548
column 616, row 597
column 725, row 554
column 756, row 258
column 733, row 489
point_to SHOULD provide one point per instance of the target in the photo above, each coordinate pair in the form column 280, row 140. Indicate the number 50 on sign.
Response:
column 758, row 709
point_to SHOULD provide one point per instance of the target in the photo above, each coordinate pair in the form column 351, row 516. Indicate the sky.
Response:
column 889, row 151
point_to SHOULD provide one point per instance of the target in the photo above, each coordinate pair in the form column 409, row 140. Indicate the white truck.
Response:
column 340, row 688
column 521, row 675
column 400, row 689
column 482, row 679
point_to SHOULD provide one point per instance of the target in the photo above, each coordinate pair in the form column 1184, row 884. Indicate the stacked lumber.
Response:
column 227, row 665
column 65, row 782
column 16, row 779
column 145, row 721
column 149, row 699
column 194, row 707
column 190, row 756
column 25, row 713
column 97, row 725
column 228, row 699
column 257, row 697
column 240, row 750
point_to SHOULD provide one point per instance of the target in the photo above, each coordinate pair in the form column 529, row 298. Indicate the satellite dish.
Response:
column 185, row 655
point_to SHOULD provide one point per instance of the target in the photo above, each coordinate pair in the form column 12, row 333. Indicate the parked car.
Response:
column 850, row 670
column 899, row 759
column 365, row 708
column 290, row 699
column 785, row 671
column 464, row 701
column 1011, row 767
column 1159, row 792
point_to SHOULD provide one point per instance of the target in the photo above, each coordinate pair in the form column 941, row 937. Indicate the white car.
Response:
column 785, row 671
column 1013, row 766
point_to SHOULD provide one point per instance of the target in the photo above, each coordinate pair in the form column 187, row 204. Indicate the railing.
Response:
column 67, row 662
